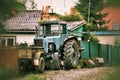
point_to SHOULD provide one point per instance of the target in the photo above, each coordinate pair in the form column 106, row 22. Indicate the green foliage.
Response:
column 117, row 42
column 32, row 77
column 114, row 74
column 93, row 27
column 23, row 45
column 7, row 6
column 35, row 77
column 104, row 28
column 96, row 18
column 8, row 73
column 96, row 22
column 113, row 3
column 2, row 30
column 70, row 18
column 6, row 10
column 91, row 38
column 95, row 7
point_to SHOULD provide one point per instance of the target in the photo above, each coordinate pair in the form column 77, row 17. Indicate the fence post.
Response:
column 110, row 55
column 119, row 53
column 89, row 50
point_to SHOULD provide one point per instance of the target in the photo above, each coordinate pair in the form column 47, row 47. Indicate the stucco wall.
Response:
column 108, row 39
column 21, row 38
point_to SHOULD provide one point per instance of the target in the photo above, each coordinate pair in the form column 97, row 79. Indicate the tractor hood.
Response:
column 43, row 42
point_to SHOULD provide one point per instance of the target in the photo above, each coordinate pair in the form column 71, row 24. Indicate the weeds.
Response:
column 35, row 77
column 114, row 74
column 8, row 73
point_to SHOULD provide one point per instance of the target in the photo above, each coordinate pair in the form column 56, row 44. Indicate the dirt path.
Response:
column 97, row 73
column 76, row 74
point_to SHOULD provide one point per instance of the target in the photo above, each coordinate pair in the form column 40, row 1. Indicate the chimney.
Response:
column 72, row 11
column 46, row 10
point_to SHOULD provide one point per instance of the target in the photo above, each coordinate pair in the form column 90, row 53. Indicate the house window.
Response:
column 116, row 26
column 10, row 42
column 7, row 41
column 2, row 42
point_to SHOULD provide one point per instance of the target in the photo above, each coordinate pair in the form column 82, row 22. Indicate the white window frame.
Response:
column 6, row 40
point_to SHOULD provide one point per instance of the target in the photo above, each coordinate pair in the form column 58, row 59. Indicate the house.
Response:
column 107, row 37
column 21, row 28
column 113, row 16
column 48, row 14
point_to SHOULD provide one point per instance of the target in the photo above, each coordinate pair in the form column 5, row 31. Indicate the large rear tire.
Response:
column 71, row 54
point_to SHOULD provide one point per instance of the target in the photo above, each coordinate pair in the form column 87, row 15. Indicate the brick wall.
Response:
column 113, row 16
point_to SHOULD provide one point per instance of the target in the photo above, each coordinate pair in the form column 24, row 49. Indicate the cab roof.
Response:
column 53, row 22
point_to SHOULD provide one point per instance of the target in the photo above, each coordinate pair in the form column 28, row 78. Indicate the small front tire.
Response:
column 41, row 67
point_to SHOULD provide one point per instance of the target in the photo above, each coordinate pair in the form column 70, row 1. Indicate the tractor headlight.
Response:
column 79, row 38
column 51, row 47
column 36, row 62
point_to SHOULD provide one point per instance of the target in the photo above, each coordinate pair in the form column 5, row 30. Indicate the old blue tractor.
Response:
column 55, row 47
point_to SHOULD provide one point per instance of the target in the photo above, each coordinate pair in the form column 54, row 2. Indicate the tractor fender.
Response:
column 76, row 39
column 69, row 38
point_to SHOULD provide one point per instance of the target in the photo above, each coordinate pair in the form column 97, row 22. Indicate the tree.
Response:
column 70, row 18
column 92, row 9
column 7, row 9
column 113, row 3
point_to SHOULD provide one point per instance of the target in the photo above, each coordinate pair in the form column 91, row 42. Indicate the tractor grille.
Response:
column 38, row 42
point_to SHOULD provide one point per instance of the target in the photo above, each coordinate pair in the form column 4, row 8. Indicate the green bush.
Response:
column 8, row 73
column 117, row 42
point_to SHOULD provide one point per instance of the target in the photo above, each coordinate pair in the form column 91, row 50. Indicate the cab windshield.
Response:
column 52, row 29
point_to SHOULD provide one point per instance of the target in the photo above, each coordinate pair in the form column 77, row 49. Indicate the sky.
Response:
column 59, row 6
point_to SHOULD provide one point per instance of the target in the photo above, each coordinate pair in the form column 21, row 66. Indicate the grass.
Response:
column 32, row 76
column 8, row 73
column 114, row 74
column 35, row 77
column 109, row 73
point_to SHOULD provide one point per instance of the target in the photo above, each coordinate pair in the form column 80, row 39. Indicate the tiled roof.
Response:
column 25, row 20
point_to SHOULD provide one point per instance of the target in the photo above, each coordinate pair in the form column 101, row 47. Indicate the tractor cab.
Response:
column 51, row 33
column 48, row 29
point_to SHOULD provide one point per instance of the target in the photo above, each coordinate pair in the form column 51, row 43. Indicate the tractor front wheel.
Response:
column 41, row 67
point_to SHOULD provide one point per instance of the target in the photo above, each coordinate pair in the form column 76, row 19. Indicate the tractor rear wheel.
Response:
column 71, row 54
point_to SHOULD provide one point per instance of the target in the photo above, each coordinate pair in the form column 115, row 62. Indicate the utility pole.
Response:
column 89, row 5
column 51, row 3
column 64, row 6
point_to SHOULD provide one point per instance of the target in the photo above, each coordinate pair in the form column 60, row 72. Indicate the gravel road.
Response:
column 97, row 73
column 76, row 74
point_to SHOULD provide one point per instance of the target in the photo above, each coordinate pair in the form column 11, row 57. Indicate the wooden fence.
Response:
column 8, row 57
